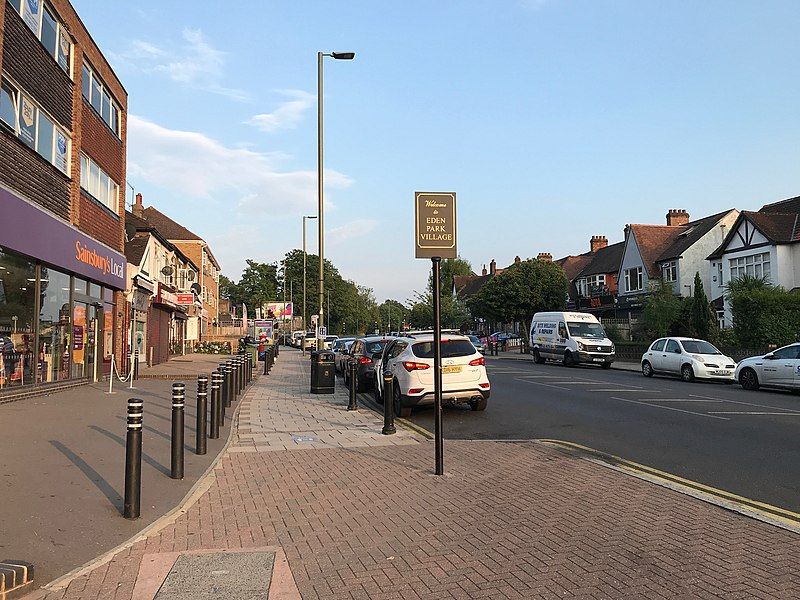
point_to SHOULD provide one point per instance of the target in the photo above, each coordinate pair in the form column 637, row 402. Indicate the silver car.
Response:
column 780, row 369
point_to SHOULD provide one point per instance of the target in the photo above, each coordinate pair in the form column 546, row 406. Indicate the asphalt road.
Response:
column 744, row 442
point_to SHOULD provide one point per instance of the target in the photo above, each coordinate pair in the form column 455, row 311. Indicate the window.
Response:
column 789, row 352
column 721, row 319
column 580, row 285
column 720, row 281
column 669, row 271
column 98, row 184
column 96, row 94
column 633, row 279
column 658, row 345
column 755, row 265
column 34, row 127
column 595, row 285
column 43, row 23
column 672, row 346
column 450, row 349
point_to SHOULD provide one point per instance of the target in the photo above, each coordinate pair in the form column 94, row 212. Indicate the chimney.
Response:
column 517, row 259
column 677, row 216
column 492, row 267
column 484, row 270
column 598, row 242
column 625, row 231
column 137, row 208
column 545, row 256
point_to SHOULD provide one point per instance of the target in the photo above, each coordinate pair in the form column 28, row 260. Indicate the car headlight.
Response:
column 613, row 348
column 697, row 358
column 580, row 346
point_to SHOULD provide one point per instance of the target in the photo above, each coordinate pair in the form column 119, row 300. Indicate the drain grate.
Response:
column 228, row 575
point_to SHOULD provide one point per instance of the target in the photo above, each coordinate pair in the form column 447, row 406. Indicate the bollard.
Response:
column 178, row 398
column 353, row 403
column 231, row 388
column 266, row 360
column 215, row 405
column 221, row 409
column 136, row 365
column 388, row 405
column 133, row 460
column 277, row 350
column 242, row 374
column 202, row 415
column 223, row 384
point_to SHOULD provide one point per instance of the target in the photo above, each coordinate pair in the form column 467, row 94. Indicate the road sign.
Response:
column 435, row 224
column 322, row 332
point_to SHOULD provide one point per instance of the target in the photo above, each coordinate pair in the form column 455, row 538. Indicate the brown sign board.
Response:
column 435, row 218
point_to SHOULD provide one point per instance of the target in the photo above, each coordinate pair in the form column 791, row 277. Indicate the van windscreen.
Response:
column 586, row 330
column 450, row 349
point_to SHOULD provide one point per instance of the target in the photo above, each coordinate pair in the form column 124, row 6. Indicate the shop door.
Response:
column 85, row 328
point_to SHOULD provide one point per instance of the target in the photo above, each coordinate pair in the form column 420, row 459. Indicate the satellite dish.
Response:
column 166, row 270
column 197, row 289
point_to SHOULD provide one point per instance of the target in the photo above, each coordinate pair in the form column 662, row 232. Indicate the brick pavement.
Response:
column 509, row 520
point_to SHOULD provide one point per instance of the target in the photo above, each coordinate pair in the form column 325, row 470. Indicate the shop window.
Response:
column 17, row 305
column 8, row 104
column 96, row 94
column 41, row 20
column 79, row 285
column 94, row 290
column 54, row 327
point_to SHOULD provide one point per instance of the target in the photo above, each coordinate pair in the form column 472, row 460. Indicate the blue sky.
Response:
column 553, row 120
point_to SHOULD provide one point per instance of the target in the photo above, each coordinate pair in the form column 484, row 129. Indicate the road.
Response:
column 747, row 443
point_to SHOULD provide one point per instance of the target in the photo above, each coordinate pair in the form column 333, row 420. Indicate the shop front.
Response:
column 56, row 298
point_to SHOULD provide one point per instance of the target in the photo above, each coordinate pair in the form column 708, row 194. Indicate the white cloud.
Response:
column 287, row 115
column 351, row 229
column 195, row 165
column 196, row 63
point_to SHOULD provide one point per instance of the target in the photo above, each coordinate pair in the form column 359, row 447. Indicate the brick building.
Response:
column 62, row 198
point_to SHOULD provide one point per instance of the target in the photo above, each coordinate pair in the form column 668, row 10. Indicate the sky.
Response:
column 552, row 120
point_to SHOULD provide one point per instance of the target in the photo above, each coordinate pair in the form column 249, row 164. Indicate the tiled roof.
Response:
column 468, row 285
column 693, row 232
column 778, row 228
column 572, row 264
column 605, row 260
column 791, row 205
column 167, row 227
column 135, row 247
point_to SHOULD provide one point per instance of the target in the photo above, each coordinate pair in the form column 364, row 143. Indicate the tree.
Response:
column 702, row 317
column 763, row 314
column 453, row 312
column 391, row 314
column 520, row 291
column 662, row 309
column 227, row 289
column 258, row 284
column 449, row 268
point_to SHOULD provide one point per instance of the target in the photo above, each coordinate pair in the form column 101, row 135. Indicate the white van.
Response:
column 570, row 338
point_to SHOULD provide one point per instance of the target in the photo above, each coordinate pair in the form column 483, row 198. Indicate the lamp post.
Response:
column 320, row 193
column 304, row 276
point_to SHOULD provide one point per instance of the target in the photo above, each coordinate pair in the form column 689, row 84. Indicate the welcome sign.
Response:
column 30, row 230
column 435, row 216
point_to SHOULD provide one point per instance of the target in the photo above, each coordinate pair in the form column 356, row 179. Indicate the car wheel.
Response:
column 605, row 365
column 537, row 358
column 400, row 410
column 748, row 379
column 478, row 404
column 569, row 360
column 687, row 373
column 647, row 369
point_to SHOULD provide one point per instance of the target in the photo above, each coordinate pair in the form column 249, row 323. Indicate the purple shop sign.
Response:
column 30, row 230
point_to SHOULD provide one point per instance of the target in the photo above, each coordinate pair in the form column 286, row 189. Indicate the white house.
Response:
column 762, row 244
column 674, row 253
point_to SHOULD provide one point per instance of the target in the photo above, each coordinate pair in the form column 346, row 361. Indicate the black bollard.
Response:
column 221, row 407
column 178, row 399
column 277, row 350
column 215, row 405
column 266, row 359
column 222, row 370
column 231, row 383
column 388, row 405
column 136, row 365
column 202, row 414
column 353, row 403
column 133, row 460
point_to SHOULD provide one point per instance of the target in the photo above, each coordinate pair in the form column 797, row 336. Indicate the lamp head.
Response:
column 343, row 55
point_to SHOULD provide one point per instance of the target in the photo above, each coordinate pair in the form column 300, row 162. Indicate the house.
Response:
column 596, row 283
column 63, row 129
column 764, row 244
column 673, row 253
column 163, row 294
column 197, row 250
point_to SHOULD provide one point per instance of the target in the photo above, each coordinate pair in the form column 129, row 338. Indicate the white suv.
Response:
column 410, row 362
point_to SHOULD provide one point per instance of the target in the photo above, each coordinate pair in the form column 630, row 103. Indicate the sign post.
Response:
column 435, row 226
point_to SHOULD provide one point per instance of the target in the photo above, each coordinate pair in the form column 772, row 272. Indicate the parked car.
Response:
column 341, row 353
column 329, row 341
column 410, row 362
column 780, row 368
column 570, row 338
column 365, row 351
column 296, row 337
column 688, row 357
column 476, row 341
column 309, row 341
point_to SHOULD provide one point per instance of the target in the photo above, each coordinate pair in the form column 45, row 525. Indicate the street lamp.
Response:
column 320, row 193
column 304, row 280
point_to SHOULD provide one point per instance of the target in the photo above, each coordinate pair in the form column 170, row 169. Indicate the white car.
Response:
column 780, row 368
column 688, row 357
column 410, row 362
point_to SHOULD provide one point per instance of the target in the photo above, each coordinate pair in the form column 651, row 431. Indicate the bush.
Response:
column 213, row 348
column 614, row 333
column 769, row 315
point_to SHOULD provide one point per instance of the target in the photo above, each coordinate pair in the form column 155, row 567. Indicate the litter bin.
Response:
column 322, row 372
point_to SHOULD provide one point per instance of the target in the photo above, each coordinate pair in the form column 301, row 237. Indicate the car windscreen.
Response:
column 450, row 349
column 375, row 347
column 586, row 330
column 474, row 339
column 698, row 347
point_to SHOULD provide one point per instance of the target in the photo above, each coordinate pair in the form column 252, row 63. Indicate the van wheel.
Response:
column 478, row 404
column 569, row 360
column 537, row 358
column 687, row 373
column 400, row 410
column 647, row 369
column 748, row 379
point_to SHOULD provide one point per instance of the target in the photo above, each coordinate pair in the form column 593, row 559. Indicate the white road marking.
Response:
column 542, row 377
column 677, row 400
column 726, row 412
column 540, row 383
column 791, row 410
column 671, row 408
column 629, row 391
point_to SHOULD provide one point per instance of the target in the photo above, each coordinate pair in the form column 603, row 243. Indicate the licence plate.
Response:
column 598, row 360
column 722, row 372
column 451, row 369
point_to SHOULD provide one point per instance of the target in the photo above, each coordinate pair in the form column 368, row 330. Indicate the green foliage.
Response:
column 227, row 288
column 391, row 315
column 212, row 348
column 614, row 333
column 454, row 314
column 702, row 317
column 662, row 309
column 450, row 267
column 763, row 314
column 520, row 291
column 258, row 284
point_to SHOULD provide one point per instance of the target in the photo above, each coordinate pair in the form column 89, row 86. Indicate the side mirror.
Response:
column 770, row 356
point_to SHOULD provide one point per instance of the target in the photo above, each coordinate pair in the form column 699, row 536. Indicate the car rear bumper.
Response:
column 449, row 397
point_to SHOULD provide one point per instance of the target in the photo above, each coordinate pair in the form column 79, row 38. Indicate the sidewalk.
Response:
column 63, row 464
column 311, row 501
